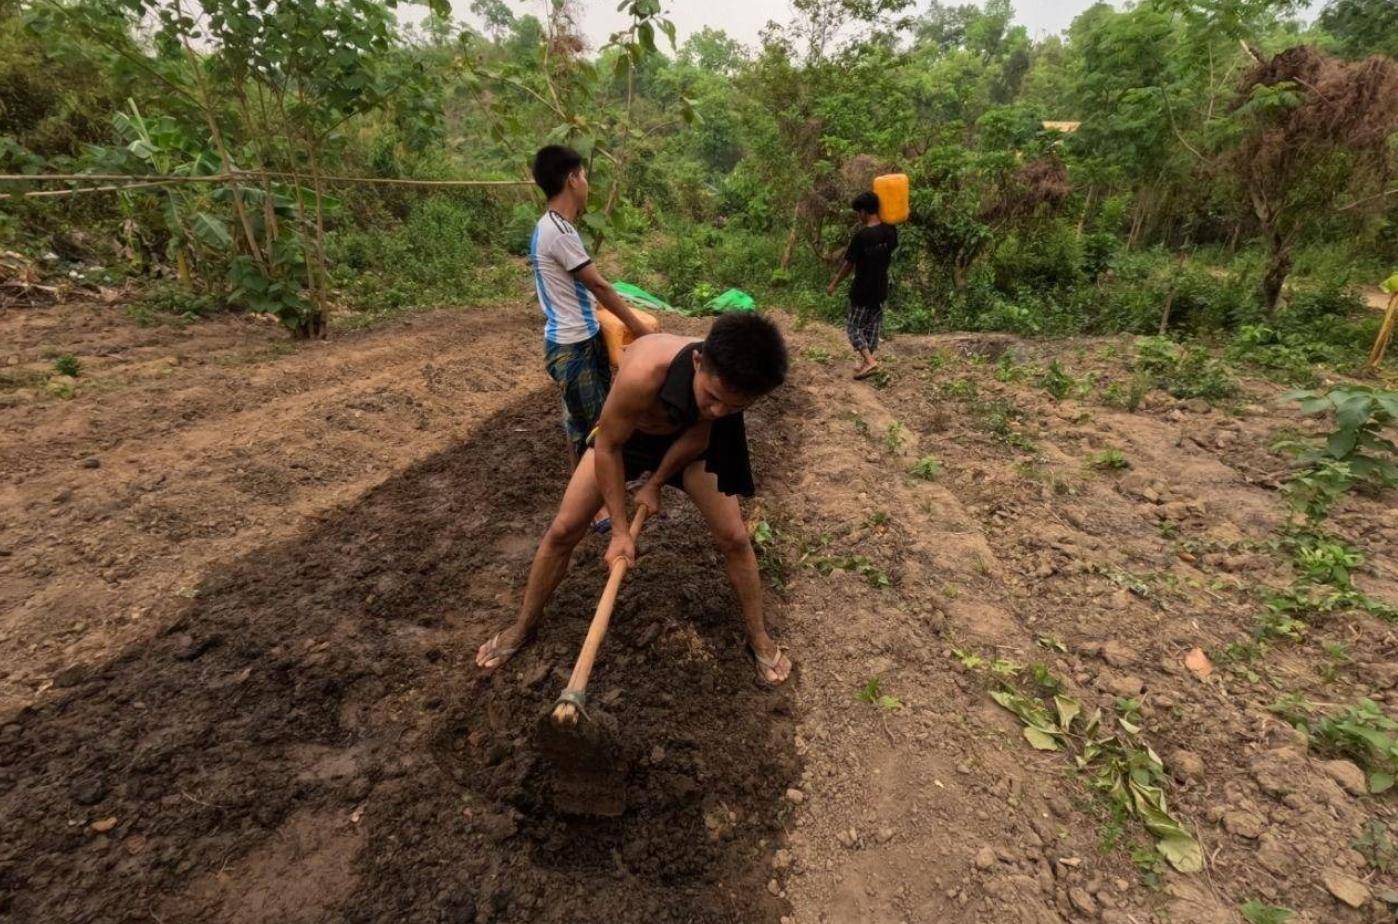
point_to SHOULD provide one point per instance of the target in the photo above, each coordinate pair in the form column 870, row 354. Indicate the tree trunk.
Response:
column 1086, row 206
column 1170, row 295
column 1136, row 220
column 1278, row 268
column 790, row 250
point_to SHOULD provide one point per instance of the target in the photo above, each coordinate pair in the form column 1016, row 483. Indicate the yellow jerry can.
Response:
column 892, row 190
column 618, row 336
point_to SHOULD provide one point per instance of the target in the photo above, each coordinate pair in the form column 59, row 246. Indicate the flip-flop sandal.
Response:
column 602, row 527
column 861, row 376
column 503, row 654
column 769, row 664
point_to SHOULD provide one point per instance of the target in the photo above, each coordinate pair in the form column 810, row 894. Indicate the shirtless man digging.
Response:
column 676, row 411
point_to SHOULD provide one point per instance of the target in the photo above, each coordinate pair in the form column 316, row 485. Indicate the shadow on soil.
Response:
column 309, row 739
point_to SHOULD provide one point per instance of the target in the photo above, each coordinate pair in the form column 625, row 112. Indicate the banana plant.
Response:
column 162, row 146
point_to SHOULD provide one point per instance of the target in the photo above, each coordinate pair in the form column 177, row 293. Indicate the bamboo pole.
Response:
column 141, row 182
column 1390, row 318
column 60, row 193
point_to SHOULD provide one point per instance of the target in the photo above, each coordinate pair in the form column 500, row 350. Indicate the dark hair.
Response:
column 746, row 352
column 552, row 167
column 866, row 203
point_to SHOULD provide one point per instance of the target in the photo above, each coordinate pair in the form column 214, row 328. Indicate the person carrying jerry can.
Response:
column 567, row 282
column 869, row 253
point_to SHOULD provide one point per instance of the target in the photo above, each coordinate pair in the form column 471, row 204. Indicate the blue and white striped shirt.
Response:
column 556, row 253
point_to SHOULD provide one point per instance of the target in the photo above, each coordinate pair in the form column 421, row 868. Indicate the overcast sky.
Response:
column 743, row 19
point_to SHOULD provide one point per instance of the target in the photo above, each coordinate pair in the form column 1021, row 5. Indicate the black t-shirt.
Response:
column 870, row 251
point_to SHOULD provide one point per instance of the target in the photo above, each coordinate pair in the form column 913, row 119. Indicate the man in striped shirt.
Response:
column 567, row 282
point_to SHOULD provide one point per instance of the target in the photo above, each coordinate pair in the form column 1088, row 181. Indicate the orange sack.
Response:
column 618, row 336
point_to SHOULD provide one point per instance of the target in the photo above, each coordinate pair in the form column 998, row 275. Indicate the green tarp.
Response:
column 732, row 300
column 641, row 297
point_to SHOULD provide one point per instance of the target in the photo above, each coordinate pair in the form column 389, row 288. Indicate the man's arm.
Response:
column 690, row 446
column 613, row 302
column 845, row 269
column 846, row 266
column 629, row 397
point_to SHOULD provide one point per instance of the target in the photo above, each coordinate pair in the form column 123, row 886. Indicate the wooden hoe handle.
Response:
column 567, row 709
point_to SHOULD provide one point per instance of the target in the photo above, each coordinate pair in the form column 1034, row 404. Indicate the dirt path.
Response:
column 243, row 635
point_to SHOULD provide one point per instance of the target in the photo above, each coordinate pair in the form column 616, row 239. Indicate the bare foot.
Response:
column 501, row 647
column 773, row 667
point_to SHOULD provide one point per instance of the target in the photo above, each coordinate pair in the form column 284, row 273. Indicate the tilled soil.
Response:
column 243, row 585
column 308, row 739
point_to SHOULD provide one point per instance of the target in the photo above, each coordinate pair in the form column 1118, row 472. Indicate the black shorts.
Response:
column 726, row 456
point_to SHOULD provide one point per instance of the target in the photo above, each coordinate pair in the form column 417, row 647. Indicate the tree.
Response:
column 712, row 50
column 1362, row 27
column 1313, row 135
column 495, row 15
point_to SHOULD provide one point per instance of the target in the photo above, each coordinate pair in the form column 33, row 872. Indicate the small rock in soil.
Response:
column 187, row 648
column 70, row 677
column 985, row 858
column 885, row 835
column 1346, row 888
column 91, row 463
column 1118, row 655
column 781, row 860
column 1186, row 765
column 1124, row 685
column 537, row 674
column 849, row 838
column 1243, row 824
column 1277, row 771
column 1082, row 900
column 103, row 825
column 1350, row 777
column 795, row 796
column 497, row 826
column 1198, row 663
column 89, row 792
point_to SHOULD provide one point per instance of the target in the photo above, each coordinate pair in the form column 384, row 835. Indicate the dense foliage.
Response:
column 1174, row 167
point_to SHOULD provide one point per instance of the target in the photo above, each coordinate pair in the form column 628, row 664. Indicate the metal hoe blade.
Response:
column 588, row 775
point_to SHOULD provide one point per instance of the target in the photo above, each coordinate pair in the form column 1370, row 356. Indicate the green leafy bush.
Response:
column 1362, row 414
column 927, row 468
column 435, row 257
column 1185, row 372
column 1043, row 258
column 1367, row 736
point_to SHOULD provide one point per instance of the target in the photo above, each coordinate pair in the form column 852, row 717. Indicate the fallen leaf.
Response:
column 1198, row 663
